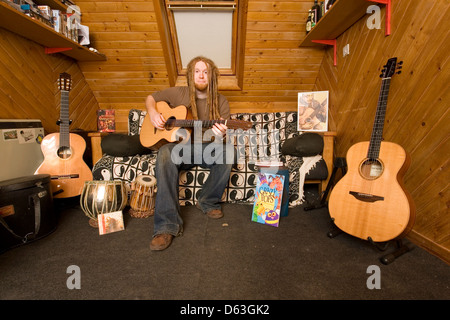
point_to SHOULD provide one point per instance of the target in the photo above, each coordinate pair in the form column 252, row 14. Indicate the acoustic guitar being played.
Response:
column 177, row 119
column 370, row 201
column 63, row 152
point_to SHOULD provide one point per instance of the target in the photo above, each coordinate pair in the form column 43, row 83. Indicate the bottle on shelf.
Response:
column 308, row 22
column 316, row 11
column 328, row 4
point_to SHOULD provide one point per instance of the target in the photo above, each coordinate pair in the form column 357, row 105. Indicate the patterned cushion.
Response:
column 135, row 119
column 264, row 140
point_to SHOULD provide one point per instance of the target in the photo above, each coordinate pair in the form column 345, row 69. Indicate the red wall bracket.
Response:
column 388, row 14
column 56, row 50
column 330, row 43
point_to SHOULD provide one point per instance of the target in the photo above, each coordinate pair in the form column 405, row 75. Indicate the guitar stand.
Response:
column 334, row 231
column 401, row 248
column 390, row 257
column 339, row 163
column 386, row 259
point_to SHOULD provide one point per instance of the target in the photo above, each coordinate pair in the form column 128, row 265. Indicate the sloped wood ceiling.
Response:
column 276, row 69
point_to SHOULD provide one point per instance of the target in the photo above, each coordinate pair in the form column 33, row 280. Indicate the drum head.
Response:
column 146, row 180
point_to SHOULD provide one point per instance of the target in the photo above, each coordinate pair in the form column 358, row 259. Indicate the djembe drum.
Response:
column 143, row 193
column 102, row 196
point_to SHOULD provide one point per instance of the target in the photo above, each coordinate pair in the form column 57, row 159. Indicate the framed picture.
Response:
column 313, row 111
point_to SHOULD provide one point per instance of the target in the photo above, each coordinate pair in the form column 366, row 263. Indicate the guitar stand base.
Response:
column 400, row 250
column 334, row 232
column 386, row 259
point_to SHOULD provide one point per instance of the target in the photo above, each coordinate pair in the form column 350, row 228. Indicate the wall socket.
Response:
column 346, row 50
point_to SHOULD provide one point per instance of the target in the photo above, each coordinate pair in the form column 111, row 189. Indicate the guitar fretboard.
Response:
column 193, row 123
column 378, row 125
column 189, row 123
column 64, row 136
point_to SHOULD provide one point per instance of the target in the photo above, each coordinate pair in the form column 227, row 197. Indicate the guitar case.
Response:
column 26, row 210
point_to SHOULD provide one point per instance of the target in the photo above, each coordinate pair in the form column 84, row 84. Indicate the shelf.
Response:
column 19, row 23
column 341, row 16
column 54, row 4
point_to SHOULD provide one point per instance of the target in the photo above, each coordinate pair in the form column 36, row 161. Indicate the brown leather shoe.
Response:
column 161, row 242
column 215, row 214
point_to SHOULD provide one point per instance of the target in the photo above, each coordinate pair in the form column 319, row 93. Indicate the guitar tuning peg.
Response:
column 400, row 62
column 398, row 72
column 381, row 75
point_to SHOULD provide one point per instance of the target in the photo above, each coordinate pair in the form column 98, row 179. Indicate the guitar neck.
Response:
column 64, row 135
column 378, row 125
column 189, row 123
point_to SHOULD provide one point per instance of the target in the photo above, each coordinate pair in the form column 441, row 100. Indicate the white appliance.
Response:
column 20, row 147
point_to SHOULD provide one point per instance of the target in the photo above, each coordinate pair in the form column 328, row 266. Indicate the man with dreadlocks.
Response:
column 202, row 98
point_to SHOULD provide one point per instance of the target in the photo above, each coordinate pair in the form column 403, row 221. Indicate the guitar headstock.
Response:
column 64, row 81
column 391, row 67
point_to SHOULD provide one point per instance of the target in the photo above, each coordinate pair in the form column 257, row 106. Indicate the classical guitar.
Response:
column 177, row 119
column 63, row 152
column 370, row 201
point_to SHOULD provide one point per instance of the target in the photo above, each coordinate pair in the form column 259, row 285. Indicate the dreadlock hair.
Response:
column 212, row 96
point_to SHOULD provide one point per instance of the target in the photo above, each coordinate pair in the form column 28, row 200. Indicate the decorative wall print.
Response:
column 313, row 111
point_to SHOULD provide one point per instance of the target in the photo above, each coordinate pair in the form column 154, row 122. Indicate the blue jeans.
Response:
column 182, row 156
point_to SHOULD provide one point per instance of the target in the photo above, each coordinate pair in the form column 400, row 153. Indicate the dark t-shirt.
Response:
column 177, row 96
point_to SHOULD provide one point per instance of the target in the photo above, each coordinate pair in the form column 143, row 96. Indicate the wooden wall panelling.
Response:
column 276, row 69
column 19, row 77
column 29, row 85
column 82, row 103
column 127, row 33
column 417, row 114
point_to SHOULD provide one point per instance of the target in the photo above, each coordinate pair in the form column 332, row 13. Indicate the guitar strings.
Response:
column 377, row 133
column 64, row 130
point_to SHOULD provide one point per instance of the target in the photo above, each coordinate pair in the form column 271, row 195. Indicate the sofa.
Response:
column 305, row 166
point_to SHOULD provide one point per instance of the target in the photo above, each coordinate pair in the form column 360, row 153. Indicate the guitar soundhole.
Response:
column 371, row 169
column 170, row 123
column 64, row 152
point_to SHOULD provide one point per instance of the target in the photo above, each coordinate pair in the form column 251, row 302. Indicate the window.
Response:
column 215, row 29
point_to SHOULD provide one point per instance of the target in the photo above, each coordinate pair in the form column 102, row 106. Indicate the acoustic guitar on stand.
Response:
column 63, row 152
column 177, row 119
column 369, row 201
